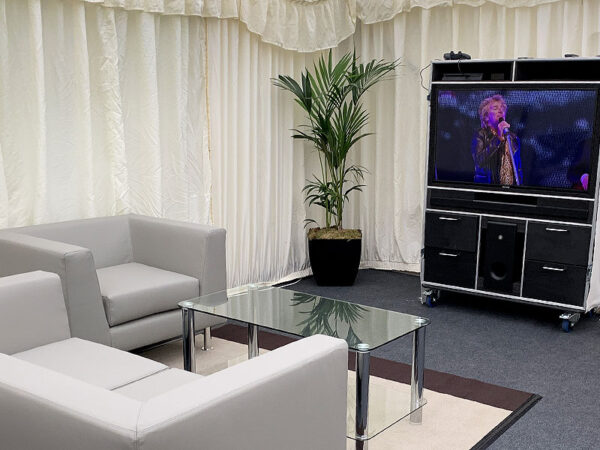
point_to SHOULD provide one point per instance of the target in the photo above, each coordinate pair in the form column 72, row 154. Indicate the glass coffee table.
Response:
column 363, row 327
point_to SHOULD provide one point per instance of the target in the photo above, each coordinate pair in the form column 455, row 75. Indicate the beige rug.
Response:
column 449, row 422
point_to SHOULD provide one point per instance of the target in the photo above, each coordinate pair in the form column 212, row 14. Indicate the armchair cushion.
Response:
column 131, row 291
column 157, row 384
column 96, row 364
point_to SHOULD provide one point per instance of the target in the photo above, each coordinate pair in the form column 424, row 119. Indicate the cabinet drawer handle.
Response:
column 557, row 230
column 450, row 219
column 452, row 255
column 554, row 269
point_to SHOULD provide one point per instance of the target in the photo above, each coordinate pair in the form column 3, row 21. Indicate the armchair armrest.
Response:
column 75, row 267
column 187, row 248
column 32, row 311
column 293, row 398
column 43, row 409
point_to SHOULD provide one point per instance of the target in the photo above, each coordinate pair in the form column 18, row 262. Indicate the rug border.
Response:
column 467, row 388
column 508, row 422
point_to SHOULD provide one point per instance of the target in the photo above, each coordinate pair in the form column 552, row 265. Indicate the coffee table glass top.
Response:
column 305, row 315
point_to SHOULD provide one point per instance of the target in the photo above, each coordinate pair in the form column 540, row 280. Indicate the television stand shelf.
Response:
column 530, row 239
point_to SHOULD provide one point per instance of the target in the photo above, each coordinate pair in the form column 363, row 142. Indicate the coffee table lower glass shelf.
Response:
column 364, row 328
column 389, row 403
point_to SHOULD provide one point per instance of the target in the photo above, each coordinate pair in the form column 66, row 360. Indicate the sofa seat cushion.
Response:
column 132, row 291
column 93, row 363
column 157, row 384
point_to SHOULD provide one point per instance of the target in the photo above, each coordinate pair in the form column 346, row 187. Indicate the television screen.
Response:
column 515, row 136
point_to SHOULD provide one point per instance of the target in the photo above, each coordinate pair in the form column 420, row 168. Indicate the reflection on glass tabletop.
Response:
column 305, row 315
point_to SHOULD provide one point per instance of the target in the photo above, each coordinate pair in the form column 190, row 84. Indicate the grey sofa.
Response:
column 59, row 392
column 123, row 276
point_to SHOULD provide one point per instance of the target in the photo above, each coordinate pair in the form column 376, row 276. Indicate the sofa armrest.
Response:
column 74, row 265
column 187, row 248
column 43, row 409
column 293, row 398
column 32, row 311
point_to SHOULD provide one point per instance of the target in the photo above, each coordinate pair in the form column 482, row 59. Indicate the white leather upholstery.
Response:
column 75, row 265
column 292, row 398
column 96, row 364
column 157, row 384
column 58, row 396
column 91, row 234
column 191, row 249
column 155, row 328
column 21, row 294
column 43, row 409
column 134, row 290
column 195, row 251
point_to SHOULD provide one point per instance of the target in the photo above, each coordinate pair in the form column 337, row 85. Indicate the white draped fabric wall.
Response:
column 258, row 173
column 102, row 112
column 113, row 101
column 257, row 169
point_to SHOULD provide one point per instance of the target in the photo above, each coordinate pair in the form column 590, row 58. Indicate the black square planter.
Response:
column 334, row 262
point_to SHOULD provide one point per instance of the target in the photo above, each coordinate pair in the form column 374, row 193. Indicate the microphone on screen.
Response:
column 502, row 119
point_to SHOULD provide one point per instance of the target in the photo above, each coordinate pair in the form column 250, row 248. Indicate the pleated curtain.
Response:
column 106, row 110
column 259, row 171
column 102, row 112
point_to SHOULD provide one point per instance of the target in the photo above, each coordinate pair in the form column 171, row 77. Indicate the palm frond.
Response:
column 330, row 95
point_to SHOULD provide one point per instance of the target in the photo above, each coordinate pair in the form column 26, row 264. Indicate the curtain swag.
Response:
column 300, row 25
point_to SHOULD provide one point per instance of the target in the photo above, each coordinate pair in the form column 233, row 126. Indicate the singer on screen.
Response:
column 496, row 149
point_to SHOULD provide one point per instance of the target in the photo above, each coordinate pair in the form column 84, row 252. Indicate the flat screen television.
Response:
column 528, row 138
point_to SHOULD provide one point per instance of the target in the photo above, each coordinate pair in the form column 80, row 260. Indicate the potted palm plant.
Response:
column 331, row 97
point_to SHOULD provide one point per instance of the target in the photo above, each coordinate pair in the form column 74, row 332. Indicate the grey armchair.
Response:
column 58, row 392
column 123, row 276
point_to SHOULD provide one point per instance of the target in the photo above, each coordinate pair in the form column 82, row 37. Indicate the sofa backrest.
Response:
column 107, row 237
column 32, row 311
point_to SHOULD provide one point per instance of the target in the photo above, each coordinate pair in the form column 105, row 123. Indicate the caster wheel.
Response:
column 430, row 301
column 566, row 325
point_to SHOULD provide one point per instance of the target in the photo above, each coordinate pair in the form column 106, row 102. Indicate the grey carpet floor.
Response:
column 509, row 344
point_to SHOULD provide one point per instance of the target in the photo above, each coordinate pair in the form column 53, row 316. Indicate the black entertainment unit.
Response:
column 512, row 182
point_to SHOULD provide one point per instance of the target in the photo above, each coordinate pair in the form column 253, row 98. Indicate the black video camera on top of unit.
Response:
column 455, row 56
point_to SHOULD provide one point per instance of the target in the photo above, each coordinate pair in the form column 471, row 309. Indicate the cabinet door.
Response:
column 451, row 231
column 561, row 283
column 565, row 244
column 451, row 267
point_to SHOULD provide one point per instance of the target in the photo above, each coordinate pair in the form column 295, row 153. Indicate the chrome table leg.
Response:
column 363, row 362
column 189, row 344
column 416, row 377
column 252, row 341
column 207, row 340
